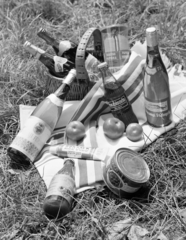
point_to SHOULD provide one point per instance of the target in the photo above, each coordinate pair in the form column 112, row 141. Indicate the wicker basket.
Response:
column 81, row 86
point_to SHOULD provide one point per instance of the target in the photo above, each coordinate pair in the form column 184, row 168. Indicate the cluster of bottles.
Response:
column 39, row 126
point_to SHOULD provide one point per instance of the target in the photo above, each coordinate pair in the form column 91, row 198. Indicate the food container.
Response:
column 125, row 173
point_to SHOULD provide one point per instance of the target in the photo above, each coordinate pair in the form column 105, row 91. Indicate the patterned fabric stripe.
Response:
column 86, row 101
column 98, row 171
column 135, row 79
column 93, row 125
column 83, row 173
column 130, row 69
column 138, row 85
column 99, row 104
column 44, row 158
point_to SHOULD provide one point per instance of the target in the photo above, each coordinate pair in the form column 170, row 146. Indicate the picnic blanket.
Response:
column 93, row 111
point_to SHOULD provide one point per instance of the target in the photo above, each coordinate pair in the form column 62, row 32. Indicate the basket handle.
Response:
column 82, row 75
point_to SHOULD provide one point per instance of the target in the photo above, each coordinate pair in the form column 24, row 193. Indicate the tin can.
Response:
column 125, row 173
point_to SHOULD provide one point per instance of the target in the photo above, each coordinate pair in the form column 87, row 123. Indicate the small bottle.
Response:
column 39, row 126
column 57, row 66
column 156, row 84
column 59, row 197
column 68, row 50
column 116, row 97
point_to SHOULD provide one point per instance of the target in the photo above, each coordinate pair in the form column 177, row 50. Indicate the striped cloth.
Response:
column 92, row 111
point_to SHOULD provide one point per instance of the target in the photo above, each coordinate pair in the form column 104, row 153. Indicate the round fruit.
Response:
column 75, row 130
column 134, row 132
column 113, row 128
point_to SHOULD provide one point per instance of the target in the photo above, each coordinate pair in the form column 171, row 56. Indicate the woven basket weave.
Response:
column 81, row 86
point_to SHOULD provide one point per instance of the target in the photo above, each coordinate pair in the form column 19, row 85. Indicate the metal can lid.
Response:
column 132, row 165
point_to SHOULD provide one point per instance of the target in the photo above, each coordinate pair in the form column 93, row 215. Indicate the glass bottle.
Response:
column 156, row 84
column 59, row 197
column 116, row 97
column 57, row 66
column 68, row 50
column 39, row 126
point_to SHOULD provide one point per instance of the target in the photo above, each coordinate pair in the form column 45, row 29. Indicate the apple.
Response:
column 75, row 130
column 113, row 128
column 134, row 132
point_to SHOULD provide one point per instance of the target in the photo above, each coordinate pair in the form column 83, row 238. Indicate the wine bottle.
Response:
column 59, row 197
column 57, row 66
column 68, row 50
column 156, row 84
column 39, row 126
column 116, row 97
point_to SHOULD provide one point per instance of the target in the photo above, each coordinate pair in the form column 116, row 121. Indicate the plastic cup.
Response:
column 116, row 48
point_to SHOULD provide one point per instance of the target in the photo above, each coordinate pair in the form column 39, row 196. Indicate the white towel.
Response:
column 92, row 111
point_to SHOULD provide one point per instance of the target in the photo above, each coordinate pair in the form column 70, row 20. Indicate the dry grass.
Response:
column 22, row 81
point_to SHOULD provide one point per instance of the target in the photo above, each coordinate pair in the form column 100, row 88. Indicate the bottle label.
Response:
column 158, row 113
column 62, row 185
column 119, row 103
column 64, row 46
column 32, row 137
column 80, row 152
column 55, row 100
column 59, row 63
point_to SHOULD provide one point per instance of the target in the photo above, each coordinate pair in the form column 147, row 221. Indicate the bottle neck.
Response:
column 106, row 75
column 49, row 39
column 153, row 57
column 63, row 90
column 68, row 168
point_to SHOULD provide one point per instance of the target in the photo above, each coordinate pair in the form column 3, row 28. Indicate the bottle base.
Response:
column 159, row 126
column 18, row 159
column 56, row 207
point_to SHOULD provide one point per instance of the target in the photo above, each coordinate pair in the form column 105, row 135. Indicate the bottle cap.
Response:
column 152, row 37
column 73, row 71
column 102, row 65
column 33, row 49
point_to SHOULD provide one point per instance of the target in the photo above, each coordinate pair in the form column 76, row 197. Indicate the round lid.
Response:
column 150, row 29
column 132, row 165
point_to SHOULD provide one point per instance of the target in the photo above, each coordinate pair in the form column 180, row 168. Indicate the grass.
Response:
column 23, row 80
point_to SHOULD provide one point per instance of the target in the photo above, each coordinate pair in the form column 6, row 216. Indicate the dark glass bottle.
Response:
column 39, row 126
column 59, row 197
column 57, row 66
column 156, row 84
column 116, row 97
column 66, row 48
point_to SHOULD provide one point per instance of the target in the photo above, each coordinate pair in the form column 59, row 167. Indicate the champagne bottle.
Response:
column 59, row 197
column 39, row 126
column 57, row 66
column 116, row 97
column 156, row 84
column 68, row 50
